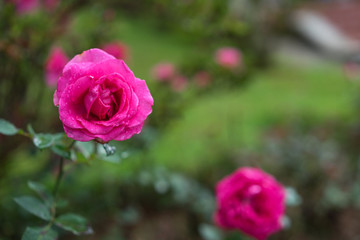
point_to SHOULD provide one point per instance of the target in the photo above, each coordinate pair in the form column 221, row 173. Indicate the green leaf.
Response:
column 42, row 192
column 73, row 223
column 39, row 234
column 80, row 158
column 292, row 197
column 7, row 128
column 61, row 203
column 30, row 129
column 209, row 232
column 58, row 137
column 34, row 206
column 62, row 151
column 86, row 148
column 43, row 140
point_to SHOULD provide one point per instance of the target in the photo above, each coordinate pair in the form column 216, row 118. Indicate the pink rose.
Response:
column 202, row 79
column 179, row 83
column 252, row 201
column 25, row 6
column 352, row 70
column 55, row 63
column 100, row 98
column 117, row 49
column 228, row 57
column 163, row 71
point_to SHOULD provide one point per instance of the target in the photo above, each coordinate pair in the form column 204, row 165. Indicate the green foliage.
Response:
column 209, row 232
column 34, row 206
column 56, row 142
column 46, row 210
column 86, row 148
column 42, row 192
column 61, row 150
column 7, row 128
column 45, row 233
column 73, row 223
column 292, row 197
column 43, row 140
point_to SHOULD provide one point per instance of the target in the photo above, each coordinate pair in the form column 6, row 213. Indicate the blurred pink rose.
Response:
column 25, row 6
column 163, row 71
column 100, row 98
column 202, row 79
column 109, row 14
column 55, row 63
column 252, row 201
column 179, row 83
column 228, row 57
column 352, row 70
column 117, row 49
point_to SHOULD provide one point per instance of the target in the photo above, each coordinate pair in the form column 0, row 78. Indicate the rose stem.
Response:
column 61, row 171
column 59, row 176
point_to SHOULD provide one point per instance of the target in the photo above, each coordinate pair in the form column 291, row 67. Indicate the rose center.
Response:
column 100, row 103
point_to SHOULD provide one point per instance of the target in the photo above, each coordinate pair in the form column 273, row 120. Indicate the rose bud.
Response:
column 179, row 83
column 352, row 70
column 55, row 63
column 228, row 57
column 100, row 98
column 251, row 201
column 202, row 79
column 117, row 49
column 163, row 71
column 25, row 6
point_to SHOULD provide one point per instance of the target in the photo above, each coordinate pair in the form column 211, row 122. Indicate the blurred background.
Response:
column 266, row 83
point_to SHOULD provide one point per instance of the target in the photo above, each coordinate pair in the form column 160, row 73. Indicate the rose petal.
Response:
column 80, row 66
column 77, row 134
column 90, row 98
column 94, row 127
column 69, row 110
column 56, row 99
column 72, row 73
column 93, row 55
column 110, row 66
column 145, row 102
column 129, row 132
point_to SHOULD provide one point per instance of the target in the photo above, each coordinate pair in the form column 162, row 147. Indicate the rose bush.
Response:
column 100, row 98
column 252, row 201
